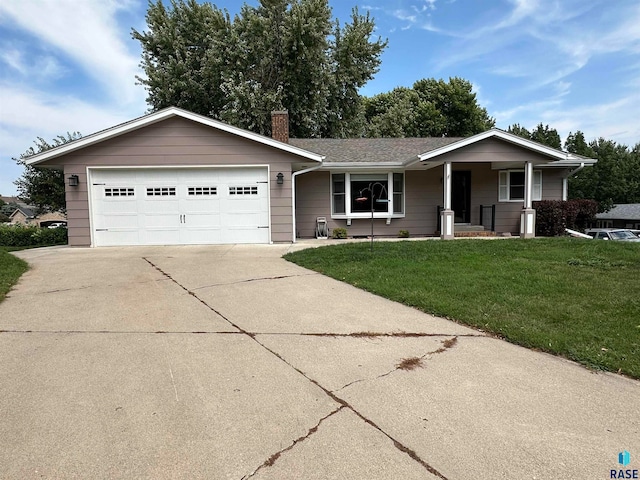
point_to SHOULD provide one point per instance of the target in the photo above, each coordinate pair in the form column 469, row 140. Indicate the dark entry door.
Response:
column 461, row 196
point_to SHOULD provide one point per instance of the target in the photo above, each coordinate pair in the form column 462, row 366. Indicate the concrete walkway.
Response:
column 228, row 362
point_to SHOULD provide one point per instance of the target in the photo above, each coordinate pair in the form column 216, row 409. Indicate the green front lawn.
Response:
column 572, row 297
column 10, row 270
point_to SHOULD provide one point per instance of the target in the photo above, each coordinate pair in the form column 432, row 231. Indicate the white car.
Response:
column 617, row 234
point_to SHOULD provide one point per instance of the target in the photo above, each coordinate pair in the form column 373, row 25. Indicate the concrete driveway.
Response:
column 228, row 362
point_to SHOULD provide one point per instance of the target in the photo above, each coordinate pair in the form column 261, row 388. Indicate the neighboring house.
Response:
column 624, row 215
column 174, row 177
column 25, row 214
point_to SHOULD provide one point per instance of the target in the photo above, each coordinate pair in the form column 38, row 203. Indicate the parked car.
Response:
column 617, row 234
column 58, row 225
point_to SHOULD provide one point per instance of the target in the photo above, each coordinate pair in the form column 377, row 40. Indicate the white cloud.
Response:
column 87, row 32
column 616, row 120
column 56, row 39
column 38, row 114
column 34, row 67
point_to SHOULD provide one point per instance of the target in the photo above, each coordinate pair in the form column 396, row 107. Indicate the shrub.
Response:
column 403, row 234
column 553, row 216
column 27, row 236
column 339, row 233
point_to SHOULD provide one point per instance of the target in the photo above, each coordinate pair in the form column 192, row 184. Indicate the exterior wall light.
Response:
column 73, row 180
column 280, row 178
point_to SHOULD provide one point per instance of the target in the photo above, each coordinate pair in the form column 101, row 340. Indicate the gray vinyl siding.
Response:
column 493, row 150
column 176, row 142
column 423, row 195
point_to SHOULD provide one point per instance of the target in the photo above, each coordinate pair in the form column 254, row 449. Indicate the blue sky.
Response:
column 70, row 65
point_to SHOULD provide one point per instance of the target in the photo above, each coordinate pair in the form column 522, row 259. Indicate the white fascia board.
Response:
column 494, row 132
column 575, row 162
column 158, row 117
column 361, row 165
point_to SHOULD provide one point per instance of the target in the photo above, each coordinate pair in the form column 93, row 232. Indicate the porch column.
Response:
column 528, row 215
column 446, row 216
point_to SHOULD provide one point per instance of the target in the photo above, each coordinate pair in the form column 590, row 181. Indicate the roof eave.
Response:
column 156, row 117
column 357, row 165
column 508, row 137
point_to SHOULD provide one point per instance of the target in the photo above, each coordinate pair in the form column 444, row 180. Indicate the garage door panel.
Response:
column 202, row 220
column 200, row 236
column 118, row 221
column 180, row 206
column 160, row 236
column 245, row 235
column 117, row 237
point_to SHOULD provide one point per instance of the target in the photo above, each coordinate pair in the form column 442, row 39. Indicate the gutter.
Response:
column 293, row 193
column 565, row 184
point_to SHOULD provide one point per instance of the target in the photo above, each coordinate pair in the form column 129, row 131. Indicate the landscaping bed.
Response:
column 572, row 297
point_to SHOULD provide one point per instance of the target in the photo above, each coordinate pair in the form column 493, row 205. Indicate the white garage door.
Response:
column 179, row 206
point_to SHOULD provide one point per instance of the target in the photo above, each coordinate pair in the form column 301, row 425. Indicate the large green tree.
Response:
column 282, row 54
column 542, row 134
column 431, row 108
column 615, row 178
column 43, row 187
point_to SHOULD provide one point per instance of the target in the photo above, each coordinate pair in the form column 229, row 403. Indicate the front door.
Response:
column 461, row 196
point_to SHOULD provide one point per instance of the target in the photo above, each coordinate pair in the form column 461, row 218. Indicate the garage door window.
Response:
column 118, row 192
column 202, row 191
column 161, row 191
column 243, row 190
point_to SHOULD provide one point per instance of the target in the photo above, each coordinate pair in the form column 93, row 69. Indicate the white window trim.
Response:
column 348, row 215
column 504, row 187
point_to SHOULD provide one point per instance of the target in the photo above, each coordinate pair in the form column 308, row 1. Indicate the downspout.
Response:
column 565, row 183
column 293, row 193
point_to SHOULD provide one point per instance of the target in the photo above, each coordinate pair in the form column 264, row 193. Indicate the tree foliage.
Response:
column 542, row 134
column 614, row 179
column 282, row 54
column 43, row 187
column 431, row 108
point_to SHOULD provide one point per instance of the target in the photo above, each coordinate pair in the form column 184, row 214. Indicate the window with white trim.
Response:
column 119, row 192
column 243, row 190
column 161, row 191
column 352, row 195
column 511, row 185
column 193, row 191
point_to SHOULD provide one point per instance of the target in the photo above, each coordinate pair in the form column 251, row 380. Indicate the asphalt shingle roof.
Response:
column 624, row 211
column 374, row 150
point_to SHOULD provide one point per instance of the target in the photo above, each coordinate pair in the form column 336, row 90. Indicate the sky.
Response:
column 71, row 65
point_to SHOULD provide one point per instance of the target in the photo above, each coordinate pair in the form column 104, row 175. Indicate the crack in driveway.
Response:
column 273, row 458
column 340, row 401
column 414, row 362
column 279, row 277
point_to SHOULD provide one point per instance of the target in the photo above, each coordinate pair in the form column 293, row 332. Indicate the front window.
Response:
column 367, row 190
column 353, row 194
column 511, row 186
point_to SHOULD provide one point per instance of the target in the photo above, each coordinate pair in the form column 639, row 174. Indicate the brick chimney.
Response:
column 280, row 125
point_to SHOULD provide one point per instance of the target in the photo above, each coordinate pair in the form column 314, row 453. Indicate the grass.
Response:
column 572, row 297
column 11, row 268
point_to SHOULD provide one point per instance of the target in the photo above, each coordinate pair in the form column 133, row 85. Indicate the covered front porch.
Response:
column 493, row 200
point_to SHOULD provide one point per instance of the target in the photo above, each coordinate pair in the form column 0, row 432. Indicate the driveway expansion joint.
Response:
column 343, row 403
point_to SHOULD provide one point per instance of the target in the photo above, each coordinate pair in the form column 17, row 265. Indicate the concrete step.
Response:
column 468, row 228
